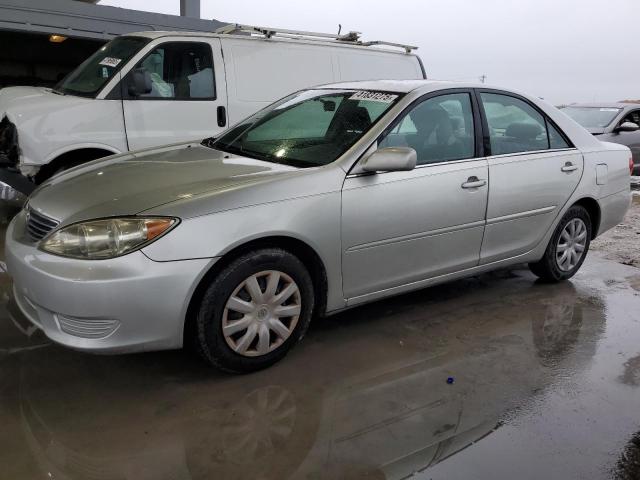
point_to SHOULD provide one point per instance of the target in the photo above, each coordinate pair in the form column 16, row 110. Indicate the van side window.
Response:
column 180, row 71
column 439, row 129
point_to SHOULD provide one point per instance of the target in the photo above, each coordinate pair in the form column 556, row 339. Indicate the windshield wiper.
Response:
column 208, row 142
column 225, row 147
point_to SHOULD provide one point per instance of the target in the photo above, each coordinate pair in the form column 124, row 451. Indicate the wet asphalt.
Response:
column 497, row 376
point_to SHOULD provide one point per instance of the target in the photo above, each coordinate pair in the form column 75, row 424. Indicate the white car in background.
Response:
column 155, row 88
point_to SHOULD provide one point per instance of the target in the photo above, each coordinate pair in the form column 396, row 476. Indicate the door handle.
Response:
column 474, row 182
column 569, row 167
column 222, row 116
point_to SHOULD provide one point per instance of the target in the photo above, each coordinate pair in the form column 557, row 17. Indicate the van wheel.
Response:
column 254, row 311
column 567, row 248
column 67, row 161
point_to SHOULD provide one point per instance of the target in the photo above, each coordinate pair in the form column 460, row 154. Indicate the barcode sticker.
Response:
column 374, row 96
column 110, row 62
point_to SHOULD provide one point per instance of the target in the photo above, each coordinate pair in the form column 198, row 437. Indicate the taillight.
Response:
column 630, row 165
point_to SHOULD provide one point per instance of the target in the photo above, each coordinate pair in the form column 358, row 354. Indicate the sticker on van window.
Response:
column 110, row 62
column 374, row 96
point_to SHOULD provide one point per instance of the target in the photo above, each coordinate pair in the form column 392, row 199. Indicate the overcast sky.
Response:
column 562, row 50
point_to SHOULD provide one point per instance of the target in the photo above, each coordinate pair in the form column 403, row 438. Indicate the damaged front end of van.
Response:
column 9, row 149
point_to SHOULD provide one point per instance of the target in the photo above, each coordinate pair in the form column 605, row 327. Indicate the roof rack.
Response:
column 268, row 32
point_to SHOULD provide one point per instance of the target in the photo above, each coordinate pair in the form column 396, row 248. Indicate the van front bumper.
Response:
column 126, row 304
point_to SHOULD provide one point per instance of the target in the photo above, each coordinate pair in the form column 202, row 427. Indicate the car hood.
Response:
column 18, row 102
column 133, row 183
column 596, row 130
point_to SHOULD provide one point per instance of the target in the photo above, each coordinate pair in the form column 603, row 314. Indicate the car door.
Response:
column 188, row 94
column 403, row 227
column 533, row 170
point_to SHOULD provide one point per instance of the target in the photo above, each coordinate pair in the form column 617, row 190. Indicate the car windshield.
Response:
column 592, row 117
column 89, row 78
column 309, row 128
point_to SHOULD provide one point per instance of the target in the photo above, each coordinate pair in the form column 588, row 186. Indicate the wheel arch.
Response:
column 72, row 157
column 307, row 255
column 592, row 206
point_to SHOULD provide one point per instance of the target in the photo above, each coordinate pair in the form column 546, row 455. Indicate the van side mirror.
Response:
column 391, row 159
column 140, row 83
column 626, row 127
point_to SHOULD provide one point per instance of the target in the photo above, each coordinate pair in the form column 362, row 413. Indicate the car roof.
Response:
column 605, row 105
column 402, row 86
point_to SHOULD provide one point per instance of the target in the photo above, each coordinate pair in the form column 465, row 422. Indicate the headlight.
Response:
column 106, row 238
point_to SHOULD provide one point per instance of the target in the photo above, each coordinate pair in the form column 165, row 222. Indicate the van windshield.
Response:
column 309, row 128
column 89, row 78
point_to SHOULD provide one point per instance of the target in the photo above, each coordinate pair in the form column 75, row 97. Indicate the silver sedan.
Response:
column 611, row 122
column 327, row 199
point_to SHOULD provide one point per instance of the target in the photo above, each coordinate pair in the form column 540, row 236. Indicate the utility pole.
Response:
column 190, row 8
column 483, row 77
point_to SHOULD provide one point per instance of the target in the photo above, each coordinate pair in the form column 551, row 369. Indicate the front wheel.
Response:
column 567, row 248
column 254, row 311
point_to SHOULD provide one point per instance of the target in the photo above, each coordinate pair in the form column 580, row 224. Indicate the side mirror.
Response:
column 391, row 159
column 626, row 127
column 140, row 83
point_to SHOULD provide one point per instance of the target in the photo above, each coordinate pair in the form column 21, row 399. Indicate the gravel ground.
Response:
column 622, row 243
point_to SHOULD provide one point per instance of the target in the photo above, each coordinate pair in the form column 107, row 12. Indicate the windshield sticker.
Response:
column 374, row 96
column 110, row 62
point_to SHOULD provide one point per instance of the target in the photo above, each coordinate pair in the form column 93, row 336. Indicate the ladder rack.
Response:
column 352, row 38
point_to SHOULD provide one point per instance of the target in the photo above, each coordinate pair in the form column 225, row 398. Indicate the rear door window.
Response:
column 515, row 126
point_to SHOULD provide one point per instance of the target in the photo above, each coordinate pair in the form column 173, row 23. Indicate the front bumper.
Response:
column 125, row 304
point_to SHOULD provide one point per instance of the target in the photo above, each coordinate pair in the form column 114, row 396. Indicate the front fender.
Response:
column 216, row 234
column 50, row 125
column 81, row 146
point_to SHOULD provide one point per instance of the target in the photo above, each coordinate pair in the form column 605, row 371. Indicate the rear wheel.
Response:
column 567, row 248
column 254, row 311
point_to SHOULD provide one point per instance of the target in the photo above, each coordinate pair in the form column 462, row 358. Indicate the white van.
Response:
column 153, row 88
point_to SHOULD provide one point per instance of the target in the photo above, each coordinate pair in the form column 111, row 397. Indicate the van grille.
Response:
column 38, row 226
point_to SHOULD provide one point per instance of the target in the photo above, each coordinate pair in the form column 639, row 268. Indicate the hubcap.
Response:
column 261, row 313
column 571, row 245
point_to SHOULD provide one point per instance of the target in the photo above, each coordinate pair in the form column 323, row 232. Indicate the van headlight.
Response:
column 106, row 238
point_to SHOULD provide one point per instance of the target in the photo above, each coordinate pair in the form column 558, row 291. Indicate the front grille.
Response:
column 38, row 226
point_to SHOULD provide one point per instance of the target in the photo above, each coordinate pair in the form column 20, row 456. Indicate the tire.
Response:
column 233, row 352
column 549, row 267
column 70, row 160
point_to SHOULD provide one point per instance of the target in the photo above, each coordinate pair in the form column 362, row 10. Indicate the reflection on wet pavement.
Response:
column 628, row 465
column 545, row 385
